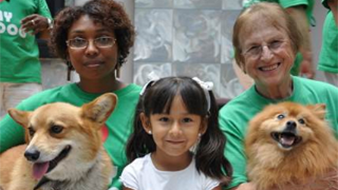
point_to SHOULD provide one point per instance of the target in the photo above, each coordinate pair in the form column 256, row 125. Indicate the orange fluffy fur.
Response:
column 270, row 166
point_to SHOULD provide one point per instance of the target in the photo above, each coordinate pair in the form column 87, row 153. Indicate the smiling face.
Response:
column 267, row 54
column 288, row 125
column 174, row 133
column 92, row 62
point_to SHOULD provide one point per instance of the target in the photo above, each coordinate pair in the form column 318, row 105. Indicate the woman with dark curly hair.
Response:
column 95, row 40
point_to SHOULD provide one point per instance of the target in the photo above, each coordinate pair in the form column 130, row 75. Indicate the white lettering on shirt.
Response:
column 8, row 16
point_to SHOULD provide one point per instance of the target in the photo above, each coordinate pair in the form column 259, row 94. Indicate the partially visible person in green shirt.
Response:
column 20, row 68
column 328, row 57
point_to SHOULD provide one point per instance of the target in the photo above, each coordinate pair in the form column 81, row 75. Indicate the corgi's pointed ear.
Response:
column 99, row 109
column 21, row 117
column 318, row 110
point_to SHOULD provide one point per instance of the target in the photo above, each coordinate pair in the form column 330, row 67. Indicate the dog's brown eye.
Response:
column 281, row 116
column 301, row 121
column 56, row 129
column 31, row 131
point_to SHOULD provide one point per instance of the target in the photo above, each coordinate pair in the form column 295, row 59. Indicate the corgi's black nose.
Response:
column 32, row 155
column 291, row 125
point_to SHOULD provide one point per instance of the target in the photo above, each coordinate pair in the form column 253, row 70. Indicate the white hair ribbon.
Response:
column 152, row 77
column 206, row 86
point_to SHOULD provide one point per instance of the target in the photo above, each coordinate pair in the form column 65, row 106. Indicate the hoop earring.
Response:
column 117, row 70
column 69, row 70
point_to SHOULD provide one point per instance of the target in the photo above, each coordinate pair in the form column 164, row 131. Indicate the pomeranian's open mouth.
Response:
column 40, row 169
column 286, row 140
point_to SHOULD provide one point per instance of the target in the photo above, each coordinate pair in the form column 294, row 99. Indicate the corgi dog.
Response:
column 64, row 149
column 291, row 144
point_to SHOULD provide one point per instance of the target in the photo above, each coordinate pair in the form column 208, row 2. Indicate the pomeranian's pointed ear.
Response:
column 319, row 110
column 100, row 109
column 21, row 117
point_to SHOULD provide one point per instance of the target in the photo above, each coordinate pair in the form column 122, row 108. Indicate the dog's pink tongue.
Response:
column 39, row 169
column 287, row 140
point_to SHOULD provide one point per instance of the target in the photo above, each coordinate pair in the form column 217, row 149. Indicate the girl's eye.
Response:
column 187, row 120
column 281, row 116
column 164, row 119
column 301, row 121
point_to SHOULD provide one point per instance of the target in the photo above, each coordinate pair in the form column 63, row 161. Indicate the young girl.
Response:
column 172, row 116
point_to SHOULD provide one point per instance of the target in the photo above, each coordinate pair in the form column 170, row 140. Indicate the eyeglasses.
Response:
column 256, row 50
column 100, row 42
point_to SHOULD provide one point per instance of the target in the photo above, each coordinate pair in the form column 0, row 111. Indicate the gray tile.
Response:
column 232, row 4
column 154, row 35
column 196, row 36
column 198, row 4
column 142, row 70
column 204, row 71
column 228, row 20
column 153, row 3
column 229, row 83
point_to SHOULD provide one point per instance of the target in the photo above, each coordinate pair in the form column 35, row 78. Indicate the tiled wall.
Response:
column 187, row 37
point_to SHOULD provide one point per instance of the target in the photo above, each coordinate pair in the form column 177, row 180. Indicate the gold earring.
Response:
column 117, row 70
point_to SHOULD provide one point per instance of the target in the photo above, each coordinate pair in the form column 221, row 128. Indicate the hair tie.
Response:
column 152, row 77
column 206, row 86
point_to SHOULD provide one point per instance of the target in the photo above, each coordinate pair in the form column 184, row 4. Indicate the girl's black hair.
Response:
column 158, row 98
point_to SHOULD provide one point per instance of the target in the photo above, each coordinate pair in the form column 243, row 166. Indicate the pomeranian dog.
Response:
column 64, row 148
column 291, row 144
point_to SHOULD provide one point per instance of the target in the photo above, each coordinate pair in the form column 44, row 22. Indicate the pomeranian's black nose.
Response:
column 291, row 125
column 32, row 155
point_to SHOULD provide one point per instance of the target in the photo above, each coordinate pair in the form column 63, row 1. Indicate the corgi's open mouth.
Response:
column 40, row 169
column 286, row 139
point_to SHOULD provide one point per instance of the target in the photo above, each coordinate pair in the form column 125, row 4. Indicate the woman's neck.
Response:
column 107, row 84
column 166, row 162
column 275, row 92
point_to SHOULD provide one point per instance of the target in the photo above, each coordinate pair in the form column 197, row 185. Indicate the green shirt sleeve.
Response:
column 234, row 151
column 43, row 9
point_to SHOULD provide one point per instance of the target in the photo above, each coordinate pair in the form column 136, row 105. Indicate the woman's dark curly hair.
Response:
column 106, row 12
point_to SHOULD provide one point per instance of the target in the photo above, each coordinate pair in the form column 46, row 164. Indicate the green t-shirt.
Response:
column 19, row 57
column 286, row 4
column 234, row 117
column 328, row 57
column 119, row 124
